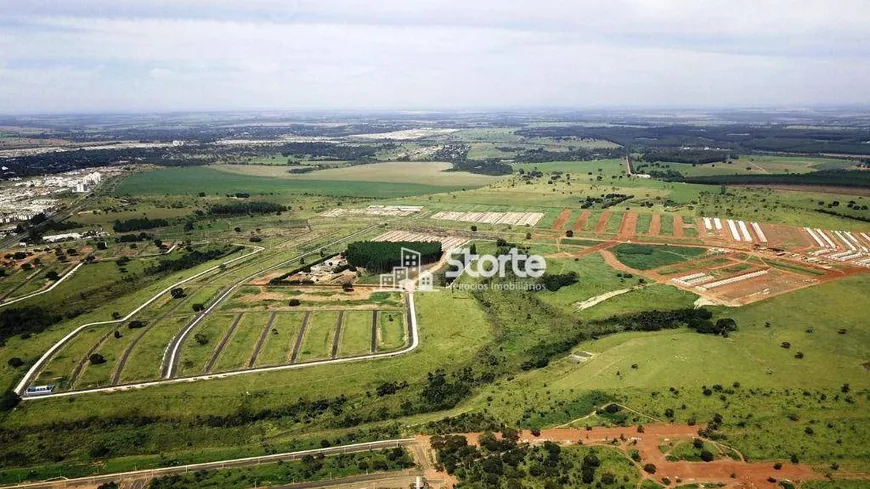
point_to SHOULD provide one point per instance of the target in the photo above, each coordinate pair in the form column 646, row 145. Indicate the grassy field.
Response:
column 192, row 180
column 356, row 334
column 319, row 335
column 146, row 356
column 280, row 340
column 435, row 174
column 647, row 257
column 201, row 343
column 391, row 330
column 241, row 344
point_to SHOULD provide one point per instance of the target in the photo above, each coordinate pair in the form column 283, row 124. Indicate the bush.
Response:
column 9, row 400
column 294, row 302
column 649, row 468
column 15, row 362
column 96, row 359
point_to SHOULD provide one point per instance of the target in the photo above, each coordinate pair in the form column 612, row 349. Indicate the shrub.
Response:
column 649, row 468
column 15, row 362
column 96, row 359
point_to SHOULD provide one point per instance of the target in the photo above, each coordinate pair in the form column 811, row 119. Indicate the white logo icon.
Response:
column 402, row 277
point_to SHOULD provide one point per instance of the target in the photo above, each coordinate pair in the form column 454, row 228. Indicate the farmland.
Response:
column 236, row 308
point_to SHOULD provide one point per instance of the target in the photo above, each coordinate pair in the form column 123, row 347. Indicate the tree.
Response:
column 96, row 359
column 15, row 362
column 649, row 468
column 200, row 339
column 198, row 307
column 52, row 275
column 707, row 455
column 9, row 400
column 474, row 228
column 569, row 233
column 177, row 293
column 294, row 302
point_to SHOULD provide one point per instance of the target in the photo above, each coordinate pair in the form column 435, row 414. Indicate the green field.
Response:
column 319, row 335
column 356, row 334
column 391, row 330
column 192, row 180
column 201, row 343
column 240, row 346
column 280, row 340
column 146, row 356
column 647, row 257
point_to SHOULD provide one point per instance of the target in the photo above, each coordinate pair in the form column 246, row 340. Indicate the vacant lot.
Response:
column 647, row 257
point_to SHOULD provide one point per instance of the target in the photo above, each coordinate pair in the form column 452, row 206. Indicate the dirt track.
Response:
column 655, row 226
column 627, row 226
column 678, row 227
column 581, row 221
column 560, row 221
column 601, row 226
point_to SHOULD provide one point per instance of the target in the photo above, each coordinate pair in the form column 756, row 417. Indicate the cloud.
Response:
column 221, row 54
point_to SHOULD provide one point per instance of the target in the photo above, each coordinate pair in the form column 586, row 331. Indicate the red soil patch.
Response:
column 787, row 237
column 655, row 225
column 602, row 222
column 563, row 217
column 584, row 216
column 678, row 227
column 628, row 226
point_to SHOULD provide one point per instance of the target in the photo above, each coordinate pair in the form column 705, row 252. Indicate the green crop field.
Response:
column 180, row 181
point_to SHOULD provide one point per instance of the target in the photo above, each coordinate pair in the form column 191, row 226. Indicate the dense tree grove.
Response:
column 25, row 320
column 137, row 224
column 240, row 208
column 329, row 151
column 555, row 281
column 730, row 137
column 381, row 257
column 541, row 155
column 833, row 178
column 688, row 156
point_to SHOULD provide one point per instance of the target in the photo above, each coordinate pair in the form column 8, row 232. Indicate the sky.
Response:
column 178, row 55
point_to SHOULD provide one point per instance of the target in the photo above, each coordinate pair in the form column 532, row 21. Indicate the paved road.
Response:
column 224, row 464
